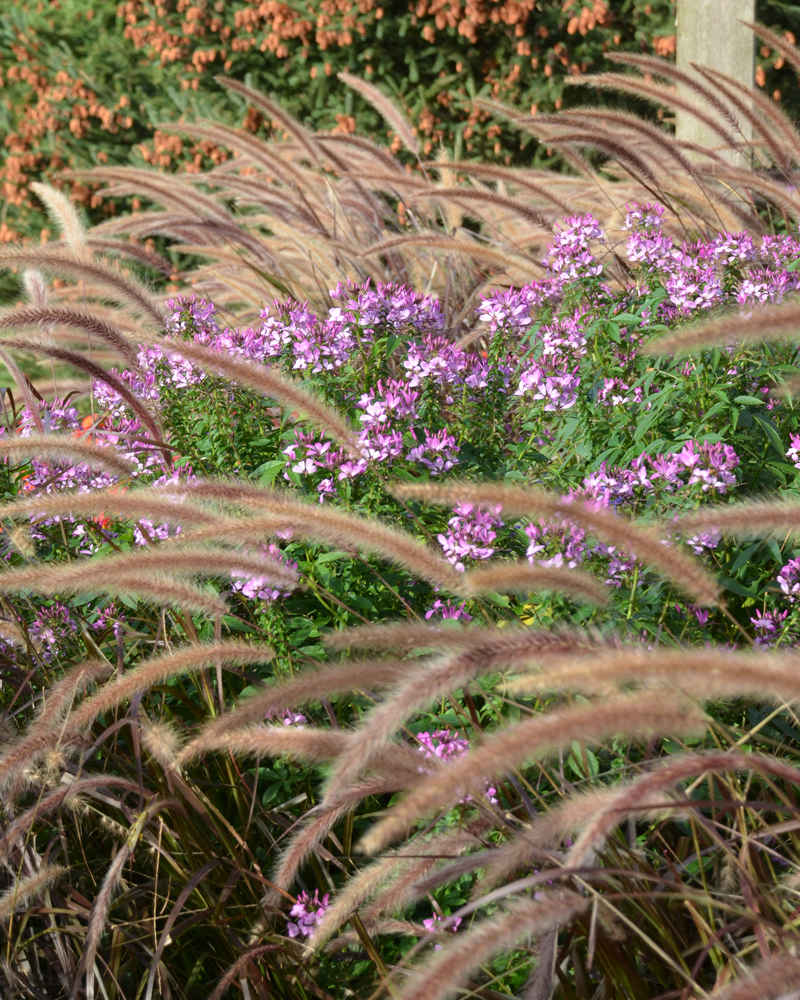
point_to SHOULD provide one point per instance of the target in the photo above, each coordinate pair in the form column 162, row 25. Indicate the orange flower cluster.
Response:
column 45, row 115
column 473, row 14
column 588, row 18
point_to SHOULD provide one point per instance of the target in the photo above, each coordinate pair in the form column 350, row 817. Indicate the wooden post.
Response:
column 709, row 33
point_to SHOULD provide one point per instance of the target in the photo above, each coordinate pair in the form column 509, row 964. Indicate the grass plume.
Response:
column 60, row 447
column 640, row 714
column 59, row 260
column 430, row 679
column 382, row 104
column 340, row 529
column 755, row 519
column 115, row 575
column 451, row 968
column 523, row 578
column 27, row 888
column 75, row 318
column 307, row 687
column 764, row 324
column 160, row 669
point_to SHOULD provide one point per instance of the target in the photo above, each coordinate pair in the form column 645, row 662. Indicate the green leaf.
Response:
column 737, row 588
column 771, row 431
column 748, row 400
column 268, row 472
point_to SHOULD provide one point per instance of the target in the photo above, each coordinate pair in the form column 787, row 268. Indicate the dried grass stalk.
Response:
column 28, row 888
column 308, row 687
column 429, row 680
column 382, row 104
column 640, row 714
column 60, row 447
column 452, row 967
column 524, row 578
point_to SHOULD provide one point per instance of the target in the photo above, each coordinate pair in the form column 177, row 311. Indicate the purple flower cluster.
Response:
column 711, row 465
column 434, row 925
column 445, row 746
column 259, row 588
column 306, row 914
column 768, row 626
column 470, row 534
column 696, row 276
column 50, row 627
column 448, row 610
column 793, row 453
column 789, row 579
column 287, row 717
column 563, row 544
column 442, row 744
column 569, row 255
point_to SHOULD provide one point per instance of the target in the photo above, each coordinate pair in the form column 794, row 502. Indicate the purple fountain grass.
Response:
column 523, row 578
column 767, row 323
column 133, row 505
column 758, row 519
column 19, row 828
column 403, row 636
column 160, row 669
column 340, row 529
column 117, row 575
column 381, row 103
column 60, row 209
column 75, row 318
column 27, row 888
column 303, row 843
column 770, row 979
column 452, row 967
column 60, row 260
column 42, row 734
column 307, row 687
column 706, row 674
column 97, row 372
column 58, row 446
column 430, row 679
column 640, row 713
column 389, row 879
